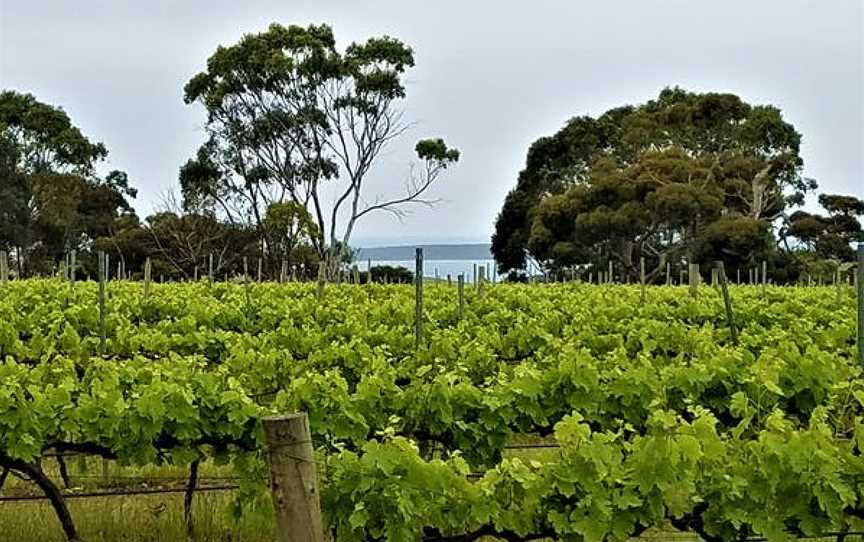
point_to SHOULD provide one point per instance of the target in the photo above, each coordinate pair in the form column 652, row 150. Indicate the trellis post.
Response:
column 293, row 478
column 418, row 296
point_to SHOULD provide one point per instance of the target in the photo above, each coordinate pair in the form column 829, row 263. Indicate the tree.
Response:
column 15, row 194
column 647, row 180
column 290, row 225
column 287, row 114
column 831, row 236
column 45, row 138
column 51, row 197
column 185, row 242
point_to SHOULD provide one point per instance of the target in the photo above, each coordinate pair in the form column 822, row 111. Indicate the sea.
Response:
column 439, row 268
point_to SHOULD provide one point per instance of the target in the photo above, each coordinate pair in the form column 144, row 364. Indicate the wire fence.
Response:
column 122, row 492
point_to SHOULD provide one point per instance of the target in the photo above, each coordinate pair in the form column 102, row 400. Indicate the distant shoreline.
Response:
column 467, row 251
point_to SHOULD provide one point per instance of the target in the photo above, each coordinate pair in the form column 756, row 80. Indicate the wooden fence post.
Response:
column 4, row 268
column 209, row 268
column 860, row 289
column 461, row 281
column 838, row 285
column 322, row 279
column 73, row 256
column 642, row 279
column 668, row 274
column 147, row 272
column 764, row 275
column 693, row 278
column 103, row 272
column 474, row 276
column 480, row 281
column 293, row 478
column 355, row 272
column 610, row 275
column 418, row 297
column 246, row 286
column 727, row 302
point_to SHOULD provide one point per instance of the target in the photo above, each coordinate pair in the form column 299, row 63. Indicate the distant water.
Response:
column 443, row 267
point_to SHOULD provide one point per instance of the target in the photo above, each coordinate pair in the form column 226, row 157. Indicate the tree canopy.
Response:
column 51, row 197
column 287, row 113
column 686, row 175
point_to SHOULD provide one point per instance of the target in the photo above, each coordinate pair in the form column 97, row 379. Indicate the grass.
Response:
column 133, row 518
column 159, row 517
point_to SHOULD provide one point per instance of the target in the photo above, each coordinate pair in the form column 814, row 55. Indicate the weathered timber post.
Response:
column 103, row 272
column 4, row 268
column 260, row 269
column 322, row 279
column 209, row 268
column 474, row 275
column 246, row 286
column 609, row 276
column 642, row 279
column 355, row 272
column 838, row 285
column 147, row 273
column 461, row 280
column 860, row 289
column 693, row 278
column 668, row 274
column 764, row 275
column 418, row 297
column 293, row 478
column 73, row 256
column 480, row 281
column 727, row 302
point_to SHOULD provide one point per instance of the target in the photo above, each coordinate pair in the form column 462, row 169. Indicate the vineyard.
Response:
column 570, row 411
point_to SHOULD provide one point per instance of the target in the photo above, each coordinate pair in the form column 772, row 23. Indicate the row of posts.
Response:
column 690, row 276
column 718, row 279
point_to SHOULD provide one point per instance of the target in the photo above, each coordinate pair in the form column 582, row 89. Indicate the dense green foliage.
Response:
column 659, row 416
column 51, row 198
column 292, row 118
column 695, row 176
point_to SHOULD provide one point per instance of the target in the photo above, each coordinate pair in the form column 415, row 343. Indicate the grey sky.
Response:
column 491, row 77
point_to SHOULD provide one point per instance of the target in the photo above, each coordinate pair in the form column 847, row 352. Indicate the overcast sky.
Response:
column 491, row 77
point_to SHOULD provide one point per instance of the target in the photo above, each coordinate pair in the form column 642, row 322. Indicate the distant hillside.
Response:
column 475, row 251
